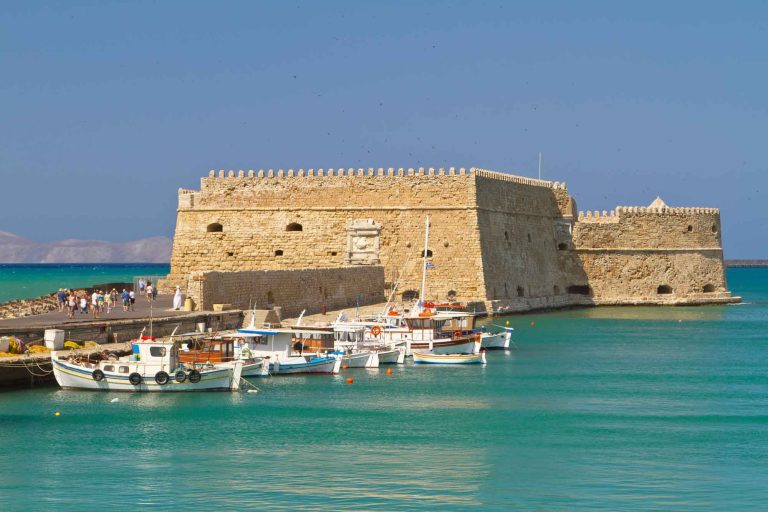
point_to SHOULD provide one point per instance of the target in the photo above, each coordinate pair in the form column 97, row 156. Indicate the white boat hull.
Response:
column 361, row 360
column 447, row 346
column 432, row 358
column 499, row 340
column 72, row 376
column 393, row 356
column 296, row 365
column 251, row 368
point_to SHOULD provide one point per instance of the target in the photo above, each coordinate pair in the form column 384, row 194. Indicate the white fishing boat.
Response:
column 392, row 356
column 155, row 367
column 357, row 358
column 277, row 346
column 432, row 358
column 496, row 340
column 223, row 352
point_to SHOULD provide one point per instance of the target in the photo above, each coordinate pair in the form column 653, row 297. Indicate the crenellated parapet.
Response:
column 382, row 172
column 614, row 215
column 339, row 172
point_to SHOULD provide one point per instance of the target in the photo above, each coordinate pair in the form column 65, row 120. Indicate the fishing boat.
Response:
column 221, row 351
column 276, row 345
column 155, row 367
column 432, row 358
column 496, row 340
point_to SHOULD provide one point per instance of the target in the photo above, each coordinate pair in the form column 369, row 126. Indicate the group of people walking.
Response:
column 95, row 303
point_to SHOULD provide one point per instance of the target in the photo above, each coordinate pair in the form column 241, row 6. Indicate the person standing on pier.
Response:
column 61, row 297
column 71, row 305
column 132, row 295
column 150, row 291
column 126, row 299
column 177, row 299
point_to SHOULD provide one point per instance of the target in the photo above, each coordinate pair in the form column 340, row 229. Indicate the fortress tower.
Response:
column 510, row 242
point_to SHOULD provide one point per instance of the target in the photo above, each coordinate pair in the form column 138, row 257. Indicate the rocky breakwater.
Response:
column 28, row 307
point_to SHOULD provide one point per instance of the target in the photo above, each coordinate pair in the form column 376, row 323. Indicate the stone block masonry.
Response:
column 291, row 290
column 514, row 243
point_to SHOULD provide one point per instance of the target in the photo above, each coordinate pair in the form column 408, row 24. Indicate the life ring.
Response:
column 194, row 376
column 98, row 375
column 375, row 330
column 161, row 378
column 134, row 379
column 457, row 334
column 180, row 376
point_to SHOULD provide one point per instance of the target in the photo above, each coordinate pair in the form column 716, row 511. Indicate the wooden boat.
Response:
column 432, row 358
column 155, row 367
column 277, row 347
column 221, row 352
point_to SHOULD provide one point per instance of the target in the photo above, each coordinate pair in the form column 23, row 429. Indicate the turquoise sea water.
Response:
column 598, row 409
column 23, row 281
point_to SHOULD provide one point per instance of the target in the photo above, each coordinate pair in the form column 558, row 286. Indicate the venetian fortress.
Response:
column 330, row 238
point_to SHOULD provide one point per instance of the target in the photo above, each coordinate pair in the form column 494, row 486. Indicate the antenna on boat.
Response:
column 424, row 269
column 298, row 322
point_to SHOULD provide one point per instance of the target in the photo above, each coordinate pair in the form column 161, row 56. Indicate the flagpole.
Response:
column 424, row 269
column 539, row 164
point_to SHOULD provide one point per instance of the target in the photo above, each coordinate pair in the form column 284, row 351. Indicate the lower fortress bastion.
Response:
column 326, row 238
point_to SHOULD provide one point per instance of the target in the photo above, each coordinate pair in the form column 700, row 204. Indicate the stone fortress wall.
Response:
column 511, row 242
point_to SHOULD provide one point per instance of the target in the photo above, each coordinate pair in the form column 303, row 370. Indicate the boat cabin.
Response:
column 211, row 350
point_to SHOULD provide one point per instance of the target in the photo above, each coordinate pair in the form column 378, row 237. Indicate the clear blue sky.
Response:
column 109, row 107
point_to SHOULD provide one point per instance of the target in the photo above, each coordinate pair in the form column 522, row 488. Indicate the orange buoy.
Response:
column 533, row 324
column 389, row 371
column 350, row 380
column 344, row 367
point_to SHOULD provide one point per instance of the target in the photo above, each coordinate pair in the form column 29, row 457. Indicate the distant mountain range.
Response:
column 15, row 249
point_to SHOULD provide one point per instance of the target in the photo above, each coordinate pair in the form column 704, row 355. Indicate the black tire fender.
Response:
column 135, row 379
column 194, row 376
column 180, row 376
column 97, row 375
column 161, row 378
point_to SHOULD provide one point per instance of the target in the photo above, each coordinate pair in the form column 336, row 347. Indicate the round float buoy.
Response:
column 457, row 334
column 97, row 375
column 57, row 413
column 134, row 379
column 389, row 371
column 344, row 367
column 375, row 330
column 533, row 324
column 161, row 378
column 180, row 376
column 350, row 380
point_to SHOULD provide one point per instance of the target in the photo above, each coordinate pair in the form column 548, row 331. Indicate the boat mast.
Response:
column 424, row 269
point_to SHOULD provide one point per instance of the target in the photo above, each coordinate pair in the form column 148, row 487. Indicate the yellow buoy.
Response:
column 57, row 413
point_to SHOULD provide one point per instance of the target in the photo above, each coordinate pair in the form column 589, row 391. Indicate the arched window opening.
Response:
column 562, row 246
column 506, row 236
column 429, row 253
column 690, row 228
column 215, row 228
column 556, row 289
column 579, row 289
column 506, row 291
column 529, row 237
column 709, row 288
column 410, row 295
column 279, row 252
column 714, row 228
column 294, row 226
column 270, row 298
column 664, row 289
column 520, row 291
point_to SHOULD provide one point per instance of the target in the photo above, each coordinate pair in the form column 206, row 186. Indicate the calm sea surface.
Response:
column 24, row 281
column 609, row 408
